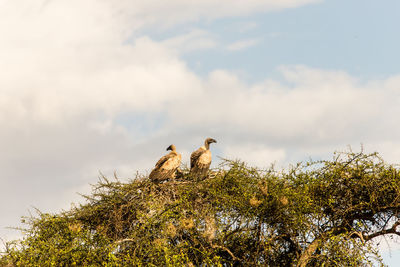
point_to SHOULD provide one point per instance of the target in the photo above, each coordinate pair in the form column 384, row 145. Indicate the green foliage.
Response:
column 317, row 213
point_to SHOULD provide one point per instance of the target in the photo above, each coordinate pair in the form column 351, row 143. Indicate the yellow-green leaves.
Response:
column 319, row 213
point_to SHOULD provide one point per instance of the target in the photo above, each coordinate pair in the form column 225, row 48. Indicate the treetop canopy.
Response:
column 312, row 213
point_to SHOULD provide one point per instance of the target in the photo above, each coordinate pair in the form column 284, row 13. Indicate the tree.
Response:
column 314, row 213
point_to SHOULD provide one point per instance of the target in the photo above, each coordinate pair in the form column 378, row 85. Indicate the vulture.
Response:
column 166, row 166
column 200, row 160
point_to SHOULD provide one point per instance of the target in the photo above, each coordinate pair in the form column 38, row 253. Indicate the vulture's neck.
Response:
column 206, row 146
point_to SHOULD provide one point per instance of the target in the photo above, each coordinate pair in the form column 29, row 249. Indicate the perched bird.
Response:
column 166, row 166
column 200, row 160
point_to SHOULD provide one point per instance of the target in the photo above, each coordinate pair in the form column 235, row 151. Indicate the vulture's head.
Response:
column 210, row 140
column 171, row 147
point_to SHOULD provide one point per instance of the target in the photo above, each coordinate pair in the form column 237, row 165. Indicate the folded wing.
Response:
column 200, row 162
column 166, row 167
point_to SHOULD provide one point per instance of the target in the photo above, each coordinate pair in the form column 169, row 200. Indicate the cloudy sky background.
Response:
column 97, row 85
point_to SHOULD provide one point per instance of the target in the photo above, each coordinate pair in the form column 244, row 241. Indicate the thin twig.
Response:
column 227, row 250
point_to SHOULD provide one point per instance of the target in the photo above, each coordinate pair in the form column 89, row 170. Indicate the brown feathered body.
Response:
column 200, row 160
column 166, row 167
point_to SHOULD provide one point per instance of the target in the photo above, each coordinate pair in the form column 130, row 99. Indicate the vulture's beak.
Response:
column 169, row 148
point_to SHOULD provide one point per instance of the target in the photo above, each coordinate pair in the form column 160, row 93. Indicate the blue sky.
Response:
column 356, row 36
column 97, row 85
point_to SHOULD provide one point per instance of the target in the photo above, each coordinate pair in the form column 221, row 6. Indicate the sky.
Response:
column 90, row 86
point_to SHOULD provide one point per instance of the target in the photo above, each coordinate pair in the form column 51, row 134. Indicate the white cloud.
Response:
column 242, row 44
column 192, row 41
column 51, row 50
column 168, row 13
column 246, row 26
column 256, row 154
column 310, row 104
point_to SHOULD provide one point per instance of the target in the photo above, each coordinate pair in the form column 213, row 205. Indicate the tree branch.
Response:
column 391, row 230
column 227, row 250
column 306, row 255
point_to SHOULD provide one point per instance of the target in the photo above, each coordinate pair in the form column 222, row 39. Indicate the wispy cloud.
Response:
column 194, row 40
column 243, row 44
column 255, row 154
column 168, row 13
column 247, row 26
